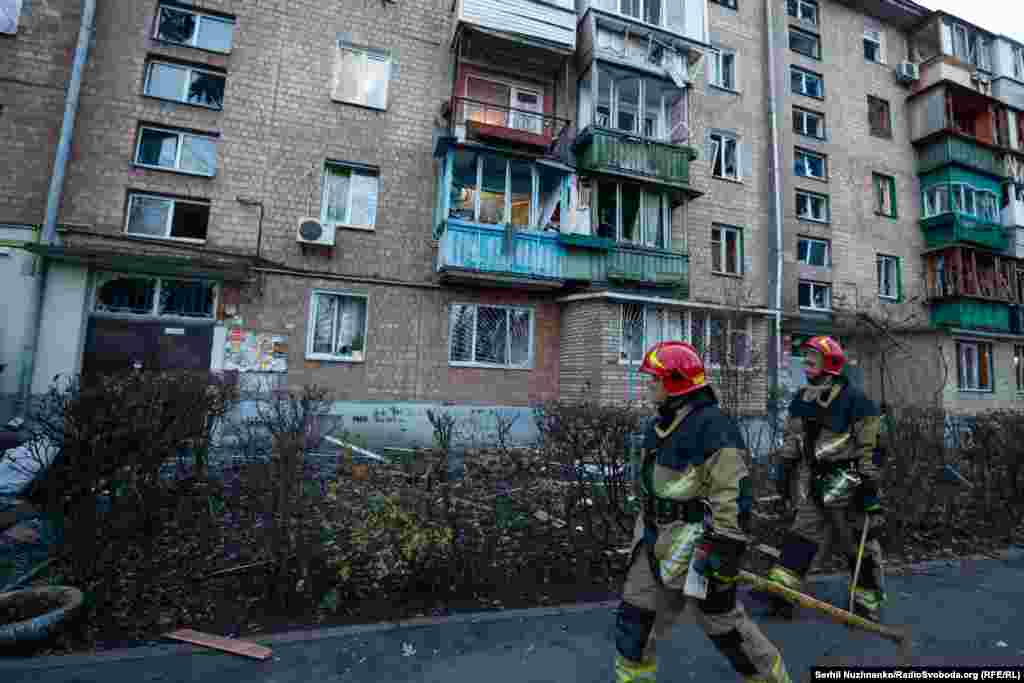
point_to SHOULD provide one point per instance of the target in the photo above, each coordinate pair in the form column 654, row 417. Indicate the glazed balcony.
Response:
column 477, row 253
column 600, row 150
column 547, row 24
column 478, row 121
column 948, row 149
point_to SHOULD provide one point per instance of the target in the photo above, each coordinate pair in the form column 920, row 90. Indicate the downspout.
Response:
column 776, row 194
column 53, row 199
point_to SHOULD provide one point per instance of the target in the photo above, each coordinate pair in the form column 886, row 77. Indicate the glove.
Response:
column 718, row 559
column 871, row 503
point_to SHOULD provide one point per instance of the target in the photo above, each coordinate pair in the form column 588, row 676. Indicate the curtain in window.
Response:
column 323, row 323
column 336, row 192
column 351, row 318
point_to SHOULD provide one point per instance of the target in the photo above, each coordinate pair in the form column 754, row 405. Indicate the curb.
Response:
column 318, row 634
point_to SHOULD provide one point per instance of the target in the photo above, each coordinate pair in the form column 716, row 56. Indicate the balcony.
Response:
column 686, row 19
column 548, row 24
column 954, row 149
column 951, row 228
column 971, row 314
column 959, row 272
column 475, row 253
column 627, row 264
column 600, row 150
column 475, row 120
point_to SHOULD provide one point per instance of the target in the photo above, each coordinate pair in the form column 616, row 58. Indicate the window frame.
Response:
column 366, row 53
column 802, row 152
column 666, row 213
column 722, row 243
column 887, row 133
column 802, row 113
column 353, row 168
column 878, row 180
column 686, row 319
column 812, row 284
column 532, row 350
column 961, row 189
column 200, row 15
column 811, row 241
column 961, row 369
column 895, row 278
column 718, row 54
column 104, row 276
column 793, row 30
column 133, row 194
column 177, row 160
column 811, row 196
column 150, row 63
column 799, row 16
column 804, row 74
column 730, row 4
column 311, row 326
column 719, row 147
column 1018, row 366
column 879, row 42
column 1017, row 57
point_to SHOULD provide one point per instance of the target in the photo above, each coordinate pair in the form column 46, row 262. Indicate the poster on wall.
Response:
column 10, row 10
column 247, row 351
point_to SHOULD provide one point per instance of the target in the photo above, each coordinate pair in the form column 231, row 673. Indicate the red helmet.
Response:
column 832, row 352
column 678, row 365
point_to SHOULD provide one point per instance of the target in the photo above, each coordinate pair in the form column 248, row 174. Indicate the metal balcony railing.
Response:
column 484, row 119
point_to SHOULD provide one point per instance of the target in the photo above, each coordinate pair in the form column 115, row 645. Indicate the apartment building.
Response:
column 483, row 204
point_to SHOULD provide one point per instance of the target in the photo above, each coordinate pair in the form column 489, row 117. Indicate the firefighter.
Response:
column 833, row 430
column 696, row 500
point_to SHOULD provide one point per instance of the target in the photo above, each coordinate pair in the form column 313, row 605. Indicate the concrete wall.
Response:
column 16, row 284
column 62, row 332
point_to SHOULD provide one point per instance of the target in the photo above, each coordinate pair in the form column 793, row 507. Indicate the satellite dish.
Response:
column 311, row 230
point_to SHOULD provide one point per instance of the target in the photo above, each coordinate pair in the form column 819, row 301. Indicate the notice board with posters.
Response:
column 10, row 10
column 248, row 351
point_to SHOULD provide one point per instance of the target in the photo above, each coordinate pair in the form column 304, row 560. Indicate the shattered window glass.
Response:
column 491, row 336
column 206, row 89
column 187, row 299
column 176, row 25
column 126, row 295
column 461, row 342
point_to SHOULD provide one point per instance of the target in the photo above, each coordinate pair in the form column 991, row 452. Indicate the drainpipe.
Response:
column 776, row 195
column 49, row 232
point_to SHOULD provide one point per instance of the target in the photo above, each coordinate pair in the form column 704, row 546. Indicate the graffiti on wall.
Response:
column 247, row 351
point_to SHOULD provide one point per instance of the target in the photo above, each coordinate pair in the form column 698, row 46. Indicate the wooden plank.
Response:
column 237, row 647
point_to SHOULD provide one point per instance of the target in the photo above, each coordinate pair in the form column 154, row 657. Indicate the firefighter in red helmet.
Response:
column 833, row 429
column 689, row 536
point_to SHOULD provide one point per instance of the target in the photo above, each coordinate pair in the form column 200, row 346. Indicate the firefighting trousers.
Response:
column 649, row 610
column 816, row 531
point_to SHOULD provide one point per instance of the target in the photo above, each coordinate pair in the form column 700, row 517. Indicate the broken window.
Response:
column 189, row 299
column 632, row 349
column 974, row 366
column 496, row 336
column 168, row 218
column 362, row 75
column 187, row 84
column 138, row 295
column 807, row 44
column 811, row 206
column 629, row 214
column 885, row 195
column 551, row 191
column 349, row 195
column 338, row 326
column 724, row 156
column 125, row 294
column 195, row 29
column 809, row 165
column 177, row 151
column 879, row 118
column 521, row 193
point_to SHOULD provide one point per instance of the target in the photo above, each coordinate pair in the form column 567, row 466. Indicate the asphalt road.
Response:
column 962, row 613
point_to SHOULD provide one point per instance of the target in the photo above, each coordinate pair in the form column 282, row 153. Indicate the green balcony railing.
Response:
column 950, row 149
column 604, row 151
column 971, row 314
column 954, row 228
column 628, row 264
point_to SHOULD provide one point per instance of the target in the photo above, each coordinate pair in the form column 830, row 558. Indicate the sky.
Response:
column 998, row 16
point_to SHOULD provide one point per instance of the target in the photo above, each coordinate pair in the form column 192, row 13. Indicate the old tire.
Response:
column 65, row 601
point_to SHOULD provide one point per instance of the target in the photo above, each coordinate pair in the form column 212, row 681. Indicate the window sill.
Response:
column 722, row 273
column 814, row 178
column 728, row 180
column 726, row 6
column 368, row 107
column 183, row 103
column 487, row 366
column 346, row 226
column 175, row 171
column 723, row 89
column 803, row 54
column 820, row 98
column 805, row 309
column 154, row 238
column 335, row 359
column 881, row 137
column 155, row 317
column 886, row 215
column 890, row 299
column 813, row 220
column 814, row 265
column 977, row 392
column 171, row 43
column 810, row 137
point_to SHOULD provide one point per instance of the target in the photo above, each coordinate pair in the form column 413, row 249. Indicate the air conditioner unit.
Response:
column 312, row 231
column 907, row 72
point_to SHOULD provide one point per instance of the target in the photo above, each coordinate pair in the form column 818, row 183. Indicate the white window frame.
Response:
column 531, row 354
column 642, row 7
column 1017, row 56
column 802, row 115
column 718, row 147
column 641, row 114
column 800, row 155
column 170, row 217
column 177, row 160
column 516, row 120
column 716, row 72
column 811, row 196
column 875, row 33
column 353, row 169
column 806, row 34
column 685, row 318
column 723, row 230
column 973, row 383
column 666, row 215
column 801, row 6
column 811, row 241
column 805, row 75
column 187, row 85
column 959, row 194
column 365, row 53
column 103, row 277
column 888, row 274
column 311, row 327
column 820, row 285
column 200, row 17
